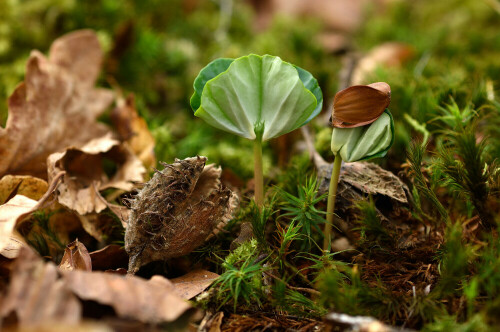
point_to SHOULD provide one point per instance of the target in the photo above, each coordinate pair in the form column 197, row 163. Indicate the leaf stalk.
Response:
column 332, row 192
column 258, row 173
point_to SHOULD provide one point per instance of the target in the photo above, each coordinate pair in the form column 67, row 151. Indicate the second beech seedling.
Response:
column 256, row 97
column 363, row 129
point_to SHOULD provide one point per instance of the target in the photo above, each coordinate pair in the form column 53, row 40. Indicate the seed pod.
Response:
column 176, row 211
column 360, row 105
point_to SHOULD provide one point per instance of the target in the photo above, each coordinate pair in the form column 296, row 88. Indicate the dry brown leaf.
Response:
column 176, row 211
column 193, row 283
column 56, row 106
column 29, row 186
column 13, row 212
column 391, row 54
column 360, row 179
column 10, row 213
column 36, row 296
column 76, row 257
column 86, row 174
column 112, row 256
column 360, row 105
column 134, row 130
column 148, row 301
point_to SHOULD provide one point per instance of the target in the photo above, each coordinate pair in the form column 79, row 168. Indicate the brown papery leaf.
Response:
column 148, row 301
column 86, row 175
column 56, row 106
column 36, row 296
column 193, row 283
column 10, row 213
column 13, row 212
column 360, row 105
column 134, row 130
column 176, row 211
column 76, row 257
column 29, row 186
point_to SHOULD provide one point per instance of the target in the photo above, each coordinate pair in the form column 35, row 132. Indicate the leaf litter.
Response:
column 52, row 133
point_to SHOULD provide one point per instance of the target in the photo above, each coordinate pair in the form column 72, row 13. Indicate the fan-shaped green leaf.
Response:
column 258, row 97
column 366, row 142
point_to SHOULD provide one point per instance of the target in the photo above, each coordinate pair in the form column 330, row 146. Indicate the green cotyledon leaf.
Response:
column 366, row 142
column 256, row 96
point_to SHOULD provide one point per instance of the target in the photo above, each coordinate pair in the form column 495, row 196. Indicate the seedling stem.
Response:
column 332, row 192
column 258, row 174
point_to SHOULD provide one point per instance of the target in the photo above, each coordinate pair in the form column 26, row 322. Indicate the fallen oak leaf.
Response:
column 76, row 257
column 176, row 211
column 148, row 301
column 86, row 174
column 361, row 179
column 193, row 283
column 26, row 185
column 10, row 213
column 39, row 294
column 36, row 295
column 56, row 106
column 13, row 212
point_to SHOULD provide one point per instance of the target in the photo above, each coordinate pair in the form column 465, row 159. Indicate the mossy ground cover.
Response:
column 435, row 266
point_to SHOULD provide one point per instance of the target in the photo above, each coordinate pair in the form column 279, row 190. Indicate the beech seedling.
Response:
column 363, row 129
column 256, row 97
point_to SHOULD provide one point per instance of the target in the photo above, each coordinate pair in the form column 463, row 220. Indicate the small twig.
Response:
column 313, row 153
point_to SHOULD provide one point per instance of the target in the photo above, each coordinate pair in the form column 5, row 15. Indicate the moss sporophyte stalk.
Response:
column 363, row 129
column 256, row 97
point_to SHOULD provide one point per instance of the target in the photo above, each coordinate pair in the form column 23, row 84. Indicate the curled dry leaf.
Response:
column 13, row 212
column 40, row 294
column 358, row 180
column 56, row 106
column 360, row 105
column 29, row 186
column 193, row 283
column 36, row 296
column 134, row 130
column 76, row 257
column 148, row 301
column 86, row 173
column 176, row 211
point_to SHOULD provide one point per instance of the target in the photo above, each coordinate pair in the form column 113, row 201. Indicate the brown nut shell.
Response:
column 360, row 105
